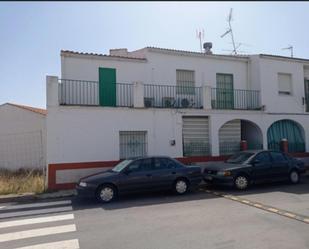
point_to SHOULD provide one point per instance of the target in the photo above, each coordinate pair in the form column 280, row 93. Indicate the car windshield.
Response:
column 239, row 158
column 120, row 166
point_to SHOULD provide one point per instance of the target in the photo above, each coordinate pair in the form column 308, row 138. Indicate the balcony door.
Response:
column 307, row 95
column 225, row 91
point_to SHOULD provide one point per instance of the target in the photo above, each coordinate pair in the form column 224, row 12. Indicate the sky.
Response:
column 33, row 33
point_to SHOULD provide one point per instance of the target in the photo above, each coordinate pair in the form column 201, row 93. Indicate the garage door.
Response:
column 195, row 133
column 229, row 137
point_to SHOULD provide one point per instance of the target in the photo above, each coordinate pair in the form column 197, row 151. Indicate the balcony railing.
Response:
column 82, row 92
column 166, row 96
column 235, row 99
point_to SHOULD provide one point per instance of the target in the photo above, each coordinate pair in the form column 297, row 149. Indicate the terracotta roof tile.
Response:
column 30, row 108
column 104, row 55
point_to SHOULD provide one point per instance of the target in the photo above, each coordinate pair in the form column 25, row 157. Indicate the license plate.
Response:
column 208, row 177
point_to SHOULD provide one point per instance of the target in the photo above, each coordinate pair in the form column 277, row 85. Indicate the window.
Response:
column 278, row 157
column 263, row 157
column 285, row 83
column 140, row 165
column 185, row 82
column 164, row 163
column 132, row 144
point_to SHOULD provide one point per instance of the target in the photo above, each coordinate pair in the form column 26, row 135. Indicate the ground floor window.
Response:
column 132, row 144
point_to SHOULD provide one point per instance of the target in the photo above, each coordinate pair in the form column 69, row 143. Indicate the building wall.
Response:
column 85, row 134
column 81, row 68
column 269, row 69
column 22, row 138
column 159, row 69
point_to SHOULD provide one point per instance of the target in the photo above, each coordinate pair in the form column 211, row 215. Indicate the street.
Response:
column 163, row 220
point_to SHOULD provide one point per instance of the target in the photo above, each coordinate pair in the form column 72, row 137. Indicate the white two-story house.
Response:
column 183, row 104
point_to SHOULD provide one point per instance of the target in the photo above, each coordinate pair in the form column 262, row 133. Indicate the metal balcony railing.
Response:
column 82, row 92
column 167, row 96
column 235, row 99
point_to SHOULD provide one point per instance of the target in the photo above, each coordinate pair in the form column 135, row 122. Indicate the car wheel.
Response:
column 294, row 177
column 181, row 186
column 241, row 182
column 106, row 193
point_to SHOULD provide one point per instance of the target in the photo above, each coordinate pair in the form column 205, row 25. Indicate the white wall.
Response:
column 269, row 69
column 161, row 69
column 83, row 134
column 87, row 68
column 22, row 138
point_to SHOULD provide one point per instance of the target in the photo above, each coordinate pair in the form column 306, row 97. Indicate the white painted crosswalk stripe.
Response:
column 37, row 232
column 36, row 220
column 65, row 244
column 36, row 211
column 34, row 205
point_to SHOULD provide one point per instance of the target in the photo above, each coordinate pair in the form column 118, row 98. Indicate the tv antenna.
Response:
column 290, row 47
column 230, row 31
column 200, row 35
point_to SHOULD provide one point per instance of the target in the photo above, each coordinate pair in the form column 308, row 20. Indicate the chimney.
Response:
column 119, row 52
column 207, row 46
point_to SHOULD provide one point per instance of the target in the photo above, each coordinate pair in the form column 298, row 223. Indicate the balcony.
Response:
column 166, row 96
column 88, row 93
column 81, row 92
column 235, row 99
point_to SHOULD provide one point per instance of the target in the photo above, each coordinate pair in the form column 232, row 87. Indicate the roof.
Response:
column 183, row 52
column 69, row 52
column 196, row 53
column 284, row 57
column 29, row 108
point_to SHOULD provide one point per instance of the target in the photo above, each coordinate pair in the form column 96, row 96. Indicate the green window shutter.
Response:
column 107, row 86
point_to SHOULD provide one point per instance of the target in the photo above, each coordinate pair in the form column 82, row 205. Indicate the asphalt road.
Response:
column 162, row 220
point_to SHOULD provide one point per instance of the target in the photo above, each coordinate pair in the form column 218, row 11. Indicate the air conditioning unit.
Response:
column 168, row 101
column 148, row 102
column 185, row 103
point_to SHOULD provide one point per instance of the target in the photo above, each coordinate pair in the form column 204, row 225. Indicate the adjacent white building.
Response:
column 156, row 101
column 22, row 137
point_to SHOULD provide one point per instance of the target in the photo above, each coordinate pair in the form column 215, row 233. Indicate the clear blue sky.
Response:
column 32, row 34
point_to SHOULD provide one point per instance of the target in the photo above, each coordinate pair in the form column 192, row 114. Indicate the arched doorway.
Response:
column 233, row 131
column 288, row 129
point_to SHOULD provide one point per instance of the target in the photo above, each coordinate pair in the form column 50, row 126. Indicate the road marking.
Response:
column 290, row 215
column 37, row 232
column 36, row 220
column 36, row 211
column 41, row 204
column 284, row 213
column 65, row 244
column 273, row 210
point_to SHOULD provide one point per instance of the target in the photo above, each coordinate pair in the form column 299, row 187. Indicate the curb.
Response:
column 27, row 197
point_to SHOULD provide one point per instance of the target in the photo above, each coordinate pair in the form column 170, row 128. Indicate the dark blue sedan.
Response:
column 139, row 175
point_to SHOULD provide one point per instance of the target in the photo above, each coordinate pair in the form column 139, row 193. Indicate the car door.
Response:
column 137, row 176
column 280, row 165
column 164, row 173
column 261, row 167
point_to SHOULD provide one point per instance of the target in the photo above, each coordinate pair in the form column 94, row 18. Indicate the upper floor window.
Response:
column 285, row 83
column 185, row 82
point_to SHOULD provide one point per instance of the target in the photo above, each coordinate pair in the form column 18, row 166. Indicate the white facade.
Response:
column 79, row 133
column 22, row 137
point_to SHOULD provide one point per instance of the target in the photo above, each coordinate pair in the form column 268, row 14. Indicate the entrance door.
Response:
column 225, row 91
column 107, row 86
column 307, row 95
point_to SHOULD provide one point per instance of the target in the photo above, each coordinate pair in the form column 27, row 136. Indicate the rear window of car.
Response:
column 240, row 157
